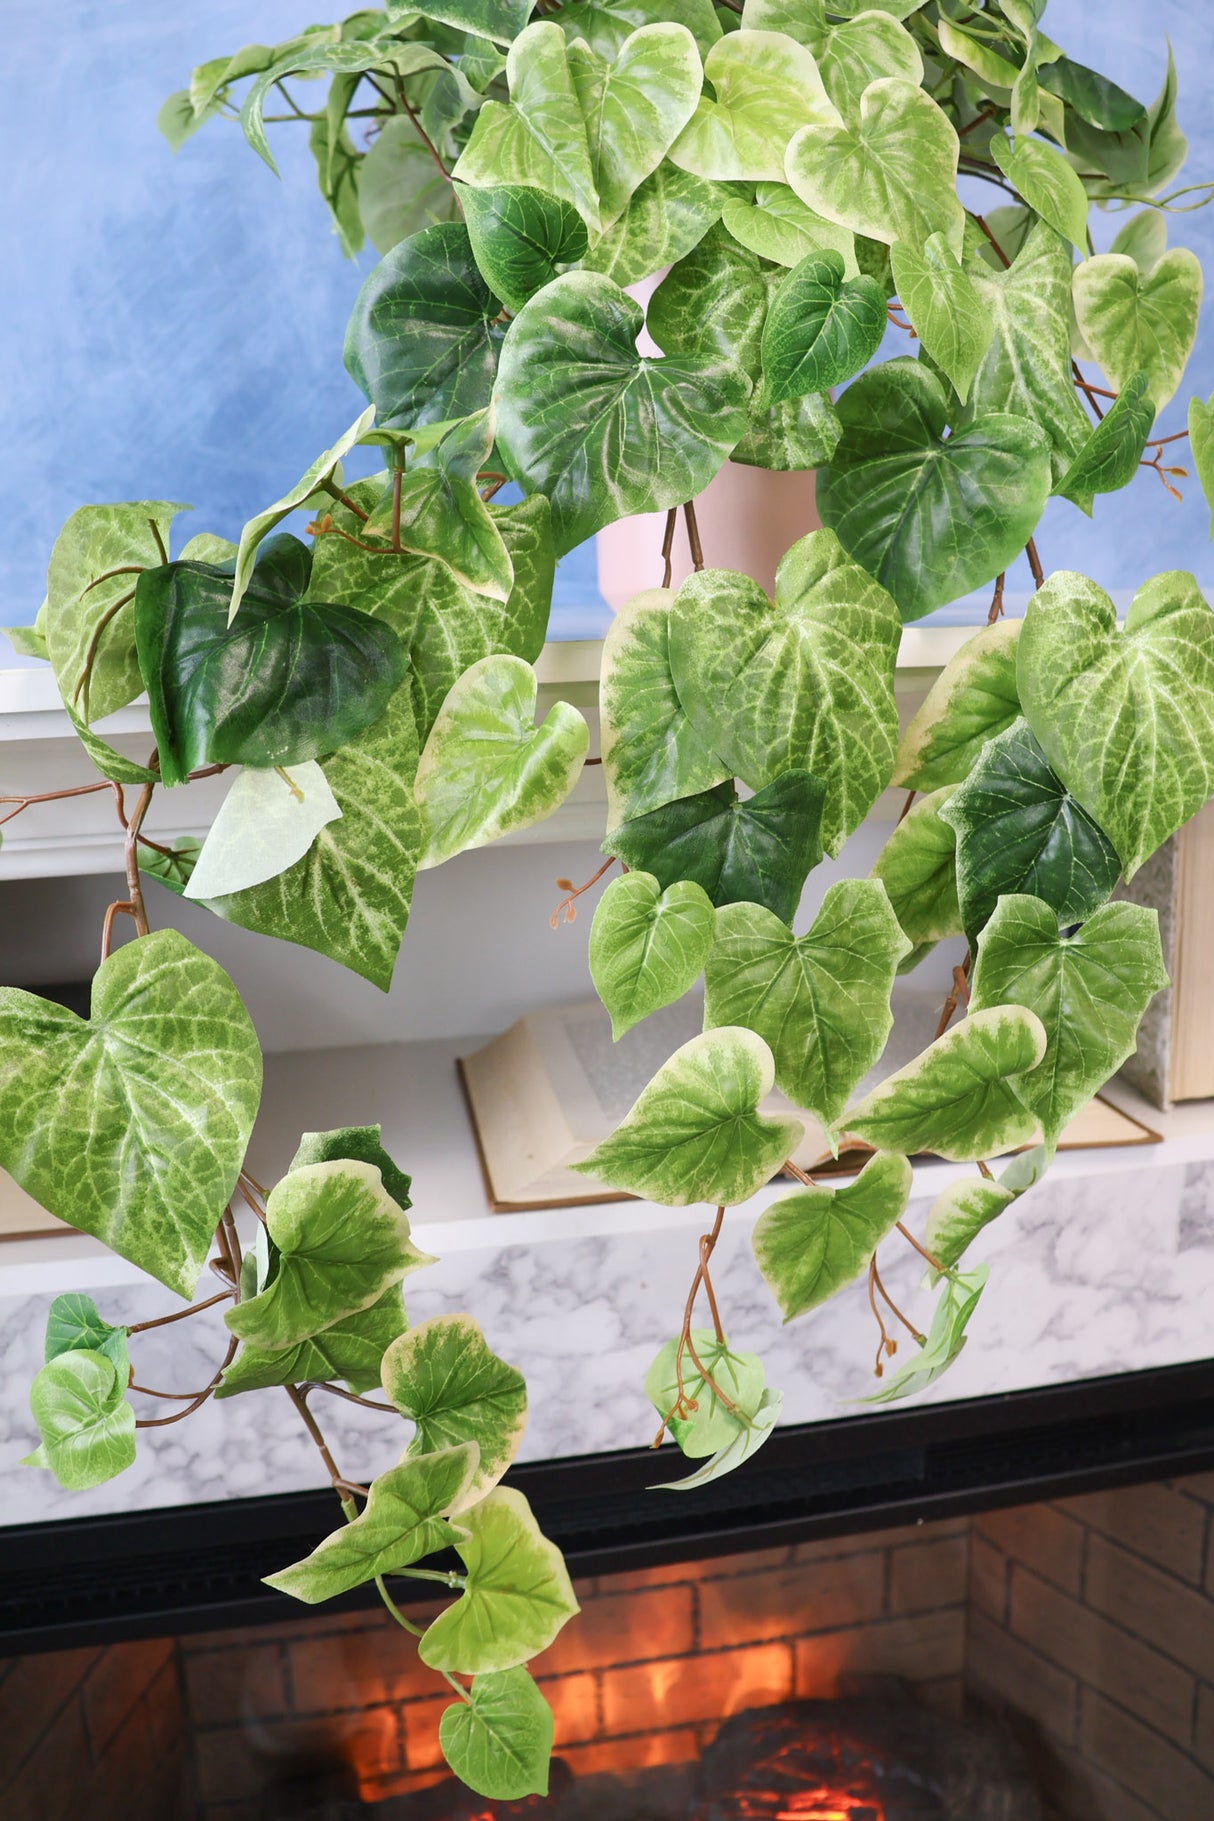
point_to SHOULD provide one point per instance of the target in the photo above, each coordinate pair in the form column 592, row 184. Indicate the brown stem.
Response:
column 90, row 656
column 154, row 528
column 1001, row 255
column 575, row 891
column 799, row 1175
column 988, row 113
column 887, row 1346
column 921, row 1250
column 1157, row 464
column 1030, row 550
column 324, row 527
column 178, row 1416
column 398, row 478
column 162, row 1321
column 134, row 888
column 419, row 129
column 107, row 575
column 996, row 609
column 672, row 518
column 904, row 812
column 228, row 1228
column 960, row 989
column 693, row 536
column 1090, row 392
column 121, row 907
column 906, row 1322
column 331, row 487
column 178, row 1397
column 50, row 796
column 351, row 1397
column 682, row 1402
column 1157, row 442
column 313, row 1428
column 705, row 1255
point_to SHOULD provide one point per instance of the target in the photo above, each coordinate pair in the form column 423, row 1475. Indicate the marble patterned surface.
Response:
column 1097, row 1271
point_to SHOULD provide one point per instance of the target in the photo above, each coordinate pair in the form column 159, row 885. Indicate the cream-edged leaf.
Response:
column 810, row 1244
column 973, row 699
column 648, row 946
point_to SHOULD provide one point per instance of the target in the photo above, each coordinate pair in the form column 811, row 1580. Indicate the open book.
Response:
column 544, row 1093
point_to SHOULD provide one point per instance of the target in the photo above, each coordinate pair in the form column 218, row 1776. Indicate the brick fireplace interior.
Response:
column 1078, row 1632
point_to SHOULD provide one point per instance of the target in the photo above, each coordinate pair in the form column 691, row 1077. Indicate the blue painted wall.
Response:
column 169, row 329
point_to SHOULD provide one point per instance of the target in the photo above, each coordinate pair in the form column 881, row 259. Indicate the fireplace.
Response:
column 1051, row 1661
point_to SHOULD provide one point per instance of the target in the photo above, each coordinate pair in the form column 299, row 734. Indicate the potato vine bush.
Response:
column 803, row 174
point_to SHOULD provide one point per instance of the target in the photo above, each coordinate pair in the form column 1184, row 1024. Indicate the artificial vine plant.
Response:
column 805, row 173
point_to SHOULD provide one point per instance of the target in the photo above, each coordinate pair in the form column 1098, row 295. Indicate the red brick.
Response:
column 1143, row 1762
column 232, row 1761
column 997, row 1663
column 309, row 1625
column 144, row 1773
column 1044, row 1539
column 638, row 1753
column 921, row 1649
column 667, row 1573
column 685, row 1690
column 347, row 1671
column 623, row 1628
column 1077, row 1791
column 988, row 1578
column 224, row 1686
column 1113, row 1661
column 828, row 1547
column 792, row 1601
column 925, row 1576
column 50, row 1785
column 1177, row 1620
column 1196, row 1486
column 32, row 1695
column 1154, row 1521
column 115, row 1684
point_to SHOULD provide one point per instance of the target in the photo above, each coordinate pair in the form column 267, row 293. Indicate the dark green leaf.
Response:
column 521, row 238
column 358, row 1144
column 1020, row 830
column 667, row 216
column 759, row 851
column 930, row 516
column 74, row 1325
column 1109, row 459
column 1092, row 96
column 423, row 338
column 498, row 1739
column 821, row 329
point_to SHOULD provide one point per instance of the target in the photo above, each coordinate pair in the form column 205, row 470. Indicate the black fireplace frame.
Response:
column 181, row 1569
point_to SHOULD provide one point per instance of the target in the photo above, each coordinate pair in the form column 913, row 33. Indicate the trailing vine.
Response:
column 803, row 175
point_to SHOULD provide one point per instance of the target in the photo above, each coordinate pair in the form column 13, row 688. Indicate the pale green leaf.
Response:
column 652, row 753
column 341, row 1240
column 173, row 868
column 819, row 1001
column 500, row 20
column 407, row 1516
column 930, row 516
column 29, row 641
column 961, row 1097
column 1089, row 990
column 695, row 1133
column 1201, row 443
column 86, row 1425
column 821, row 328
column 267, row 821
column 498, row 1739
column 747, row 1440
column 605, row 24
column 73, row 1325
column 1144, row 239
column 777, row 225
column 945, row 1339
column 976, row 54
column 861, row 51
column 444, row 1377
column 601, row 430
column 441, row 513
column 1109, row 459
column 486, row 768
column 808, row 678
column 918, row 868
column 698, row 1420
column 521, row 239
column 764, row 86
column 634, row 106
column 946, row 310
column 1125, row 715
column 960, row 1212
column 1136, row 324
column 317, row 57
column 1047, row 183
column 665, row 218
column 1019, row 829
column 133, row 1126
column 809, row 1245
column 890, row 176
column 400, row 188
column 973, row 699
column 540, row 138
column 648, row 946
column 517, row 1594
column 351, row 1349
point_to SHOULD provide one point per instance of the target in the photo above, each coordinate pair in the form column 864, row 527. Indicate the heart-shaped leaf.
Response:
column 133, row 1126
column 1109, row 459
column 73, row 1325
column 1125, row 716
column 603, row 431
column 890, row 176
column 498, row 1739
column 1143, row 238
column 1019, row 829
column 444, row 1377
column 778, row 226
column 860, row 51
column 973, row 699
column 267, row 821
column 1136, row 324
column 663, row 220
column 946, row 310
column 486, row 768
column 423, row 338
column 290, row 680
column 747, row 1439
column 821, row 328
column 918, row 868
column 539, row 139
column 819, row 1001
column 500, row 20
column 930, row 516
column 652, row 753
column 436, row 509
column 517, row 1593
column 697, row 1418
column 695, row 1133
column 406, row 1517
column 349, row 896
column 808, row 677
column 960, row 1212
column 351, row 1349
column 1027, row 368
column 647, row 946
column 341, row 1241
column 1089, row 990
column 945, row 1339
column 88, row 1429
column 1051, row 186
column 811, row 1244
column 605, row 24
column 764, row 86
column 521, row 238
column 758, row 851
column 961, row 1098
